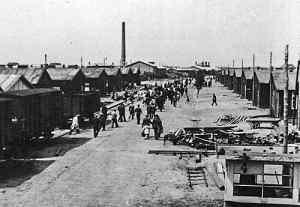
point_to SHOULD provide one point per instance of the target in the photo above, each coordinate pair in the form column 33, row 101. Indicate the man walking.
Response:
column 138, row 112
column 214, row 100
column 131, row 111
column 114, row 121
column 157, row 126
column 104, row 112
column 96, row 123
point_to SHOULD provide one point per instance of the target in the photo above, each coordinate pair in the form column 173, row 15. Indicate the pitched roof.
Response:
column 139, row 61
column 9, row 80
column 93, row 72
column 112, row 71
column 263, row 76
column 62, row 74
column 231, row 71
column 238, row 72
column 248, row 73
column 33, row 75
column 125, row 70
column 280, row 79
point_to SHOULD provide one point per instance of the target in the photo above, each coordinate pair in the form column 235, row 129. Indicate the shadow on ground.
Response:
column 51, row 148
column 15, row 172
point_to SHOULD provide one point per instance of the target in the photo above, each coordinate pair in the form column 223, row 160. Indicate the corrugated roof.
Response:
column 62, row 74
column 33, row 75
column 280, row 79
column 263, row 76
column 28, row 92
column 238, row 72
column 231, row 71
column 8, row 80
column 125, row 71
column 93, row 72
column 112, row 71
column 248, row 72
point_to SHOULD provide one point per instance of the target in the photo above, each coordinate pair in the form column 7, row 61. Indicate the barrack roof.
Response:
column 62, row 74
column 33, row 75
column 279, row 79
column 263, row 76
column 93, row 72
column 9, row 80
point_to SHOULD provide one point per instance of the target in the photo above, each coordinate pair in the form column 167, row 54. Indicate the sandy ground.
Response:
column 115, row 169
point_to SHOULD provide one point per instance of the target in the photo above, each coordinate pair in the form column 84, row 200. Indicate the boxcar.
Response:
column 35, row 113
column 5, row 124
column 84, row 103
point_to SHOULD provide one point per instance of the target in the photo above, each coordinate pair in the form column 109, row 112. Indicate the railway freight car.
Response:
column 5, row 124
column 30, row 114
column 84, row 104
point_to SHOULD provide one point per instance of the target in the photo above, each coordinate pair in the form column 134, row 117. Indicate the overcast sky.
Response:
column 166, row 31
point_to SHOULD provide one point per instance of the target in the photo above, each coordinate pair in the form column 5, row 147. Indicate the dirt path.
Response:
column 115, row 169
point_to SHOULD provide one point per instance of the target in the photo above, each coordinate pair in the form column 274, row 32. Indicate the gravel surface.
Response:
column 115, row 169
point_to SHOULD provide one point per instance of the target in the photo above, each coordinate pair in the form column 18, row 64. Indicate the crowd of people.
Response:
column 153, row 100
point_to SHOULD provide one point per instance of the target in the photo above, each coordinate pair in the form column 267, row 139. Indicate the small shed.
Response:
column 246, row 83
column 69, row 80
column 259, row 179
column 96, row 79
column 278, row 81
column 261, row 87
column 237, row 80
column 11, row 82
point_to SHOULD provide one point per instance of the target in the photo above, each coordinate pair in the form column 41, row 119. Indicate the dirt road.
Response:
column 115, row 169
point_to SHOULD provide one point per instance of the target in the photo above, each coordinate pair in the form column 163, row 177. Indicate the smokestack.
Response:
column 123, row 50
column 45, row 60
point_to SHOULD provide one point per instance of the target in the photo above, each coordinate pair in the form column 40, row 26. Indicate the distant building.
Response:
column 148, row 70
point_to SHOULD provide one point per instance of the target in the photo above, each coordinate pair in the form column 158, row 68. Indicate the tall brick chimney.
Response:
column 123, row 49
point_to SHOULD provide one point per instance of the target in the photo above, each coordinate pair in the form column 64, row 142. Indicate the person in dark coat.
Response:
column 157, row 126
column 114, row 120
column 214, row 100
column 131, row 111
column 96, row 124
column 102, row 122
column 121, row 109
column 104, row 112
column 138, row 112
column 146, row 126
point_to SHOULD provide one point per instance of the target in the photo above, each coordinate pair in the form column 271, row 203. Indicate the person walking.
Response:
column 131, row 111
column 75, row 125
column 138, row 112
column 102, row 122
column 114, row 120
column 157, row 126
column 96, row 123
column 104, row 112
column 214, row 100
column 146, row 126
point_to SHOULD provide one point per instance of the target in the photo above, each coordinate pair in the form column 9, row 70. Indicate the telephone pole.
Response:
column 271, row 69
column 253, row 68
column 285, row 98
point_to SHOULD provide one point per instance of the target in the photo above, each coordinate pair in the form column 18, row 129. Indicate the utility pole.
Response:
column 45, row 63
column 298, row 93
column 285, row 99
column 81, row 62
column 242, row 63
column 233, row 63
column 253, row 68
column 271, row 69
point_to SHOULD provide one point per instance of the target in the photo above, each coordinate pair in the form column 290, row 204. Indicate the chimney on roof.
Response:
column 123, row 49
